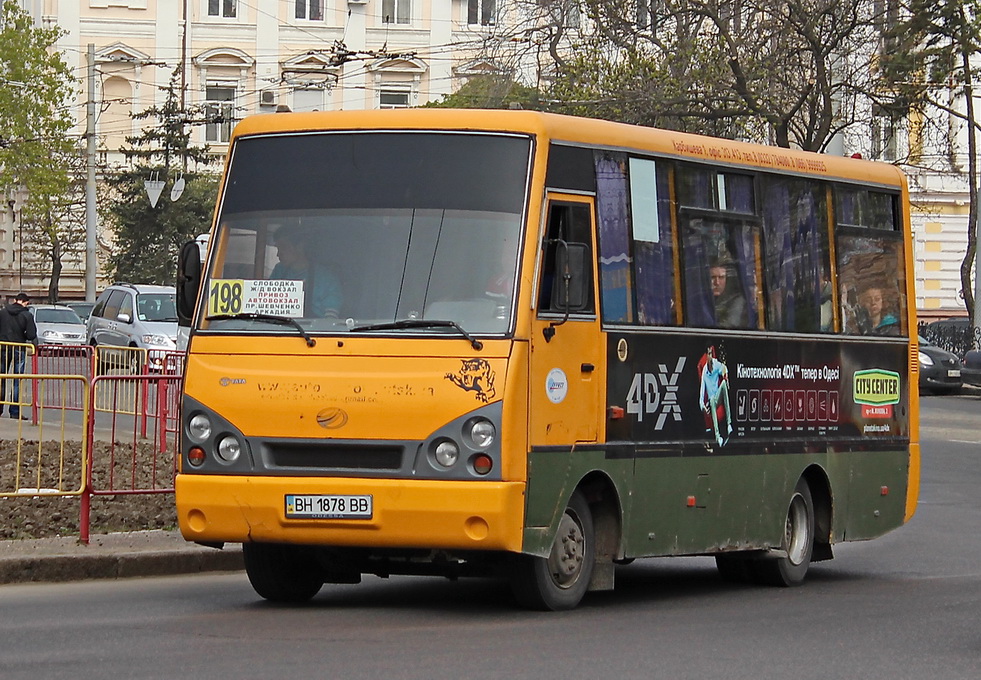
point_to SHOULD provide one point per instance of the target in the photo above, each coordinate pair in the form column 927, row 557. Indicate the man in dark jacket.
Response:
column 17, row 328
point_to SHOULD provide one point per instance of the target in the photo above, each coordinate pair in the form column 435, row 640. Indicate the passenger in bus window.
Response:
column 730, row 305
column 878, row 321
column 322, row 289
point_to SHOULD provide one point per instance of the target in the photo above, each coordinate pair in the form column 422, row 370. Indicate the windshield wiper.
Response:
column 271, row 318
column 421, row 323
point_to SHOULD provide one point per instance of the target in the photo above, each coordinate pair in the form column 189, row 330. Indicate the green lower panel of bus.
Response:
column 678, row 505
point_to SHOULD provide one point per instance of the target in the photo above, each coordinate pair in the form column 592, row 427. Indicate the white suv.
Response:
column 134, row 315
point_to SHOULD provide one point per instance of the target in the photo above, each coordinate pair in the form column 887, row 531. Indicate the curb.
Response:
column 41, row 562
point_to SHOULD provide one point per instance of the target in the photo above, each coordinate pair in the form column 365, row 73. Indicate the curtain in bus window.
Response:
column 695, row 248
column 797, row 256
column 739, row 194
column 695, row 188
column 653, row 249
column 744, row 240
column 614, row 240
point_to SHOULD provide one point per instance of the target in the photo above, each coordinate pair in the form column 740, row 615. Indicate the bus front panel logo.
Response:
column 332, row 418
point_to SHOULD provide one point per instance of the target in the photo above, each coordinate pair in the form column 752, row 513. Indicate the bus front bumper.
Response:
column 405, row 513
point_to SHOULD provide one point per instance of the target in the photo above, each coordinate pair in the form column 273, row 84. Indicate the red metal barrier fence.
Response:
column 132, row 438
column 101, row 428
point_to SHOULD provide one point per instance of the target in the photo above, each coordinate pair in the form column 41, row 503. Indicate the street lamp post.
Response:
column 16, row 200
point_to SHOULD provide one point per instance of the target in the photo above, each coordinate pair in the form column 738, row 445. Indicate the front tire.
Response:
column 797, row 543
column 282, row 573
column 559, row 581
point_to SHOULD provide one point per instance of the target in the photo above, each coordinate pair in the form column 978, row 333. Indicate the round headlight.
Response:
column 229, row 449
column 199, row 427
column 925, row 359
column 482, row 433
column 447, row 453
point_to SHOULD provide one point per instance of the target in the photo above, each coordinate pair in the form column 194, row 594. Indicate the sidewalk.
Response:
column 110, row 556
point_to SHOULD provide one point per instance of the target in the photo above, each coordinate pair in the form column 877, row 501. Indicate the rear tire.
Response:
column 797, row 543
column 282, row 573
column 559, row 581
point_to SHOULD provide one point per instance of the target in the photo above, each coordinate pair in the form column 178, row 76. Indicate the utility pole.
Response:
column 91, row 222
column 977, row 277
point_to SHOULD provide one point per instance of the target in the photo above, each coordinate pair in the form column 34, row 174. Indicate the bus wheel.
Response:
column 560, row 580
column 282, row 573
column 798, row 543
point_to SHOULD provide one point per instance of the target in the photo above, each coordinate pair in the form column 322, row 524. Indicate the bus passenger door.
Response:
column 566, row 347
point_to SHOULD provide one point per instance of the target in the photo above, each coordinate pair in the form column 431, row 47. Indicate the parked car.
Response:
column 58, row 325
column 971, row 368
column 940, row 370
column 136, row 315
column 83, row 309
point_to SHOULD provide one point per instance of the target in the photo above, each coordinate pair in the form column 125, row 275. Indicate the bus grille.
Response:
column 335, row 456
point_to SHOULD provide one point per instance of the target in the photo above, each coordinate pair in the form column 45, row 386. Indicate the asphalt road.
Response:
column 905, row 606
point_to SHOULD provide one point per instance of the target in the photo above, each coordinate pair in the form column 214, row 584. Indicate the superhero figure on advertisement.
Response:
column 713, row 396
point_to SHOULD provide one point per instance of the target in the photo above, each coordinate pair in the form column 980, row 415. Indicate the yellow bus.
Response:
column 533, row 346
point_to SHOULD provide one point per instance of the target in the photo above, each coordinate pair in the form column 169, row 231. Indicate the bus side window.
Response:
column 870, row 263
column 567, row 242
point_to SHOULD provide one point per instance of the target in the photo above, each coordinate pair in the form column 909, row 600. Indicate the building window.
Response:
column 310, row 9
column 221, row 8
column 308, row 99
column 393, row 98
column 219, row 106
column 395, row 11
column 481, row 12
column 884, row 133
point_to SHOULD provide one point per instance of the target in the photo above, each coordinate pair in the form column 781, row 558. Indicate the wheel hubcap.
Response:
column 565, row 561
column 797, row 533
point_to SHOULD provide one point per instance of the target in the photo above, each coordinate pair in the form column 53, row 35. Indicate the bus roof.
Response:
column 583, row 132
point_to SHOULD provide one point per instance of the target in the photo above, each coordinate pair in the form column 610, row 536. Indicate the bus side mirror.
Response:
column 188, row 281
column 572, row 273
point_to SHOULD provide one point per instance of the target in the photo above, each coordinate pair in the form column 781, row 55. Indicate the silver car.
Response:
column 58, row 325
column 135, row 315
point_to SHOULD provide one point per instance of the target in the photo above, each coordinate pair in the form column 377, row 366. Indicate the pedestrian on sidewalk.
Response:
column 16, row 326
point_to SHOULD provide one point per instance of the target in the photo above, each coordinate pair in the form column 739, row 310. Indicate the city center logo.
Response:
column 877, row 390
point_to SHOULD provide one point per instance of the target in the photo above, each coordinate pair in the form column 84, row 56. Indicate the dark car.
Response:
column 940, row 371
column 971, row 368
column 83, row 309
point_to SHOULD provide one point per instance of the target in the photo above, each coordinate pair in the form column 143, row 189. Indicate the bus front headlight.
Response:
column 199, row 428
column 482, row 433
column 446, row 453
column 228, row 449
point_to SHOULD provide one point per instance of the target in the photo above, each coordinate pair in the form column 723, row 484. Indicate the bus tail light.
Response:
column 482, row 463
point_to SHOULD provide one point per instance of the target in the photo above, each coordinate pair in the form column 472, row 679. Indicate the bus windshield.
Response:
column 425, row 228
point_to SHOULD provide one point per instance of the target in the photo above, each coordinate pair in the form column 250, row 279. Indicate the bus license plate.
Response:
column 334, row 506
